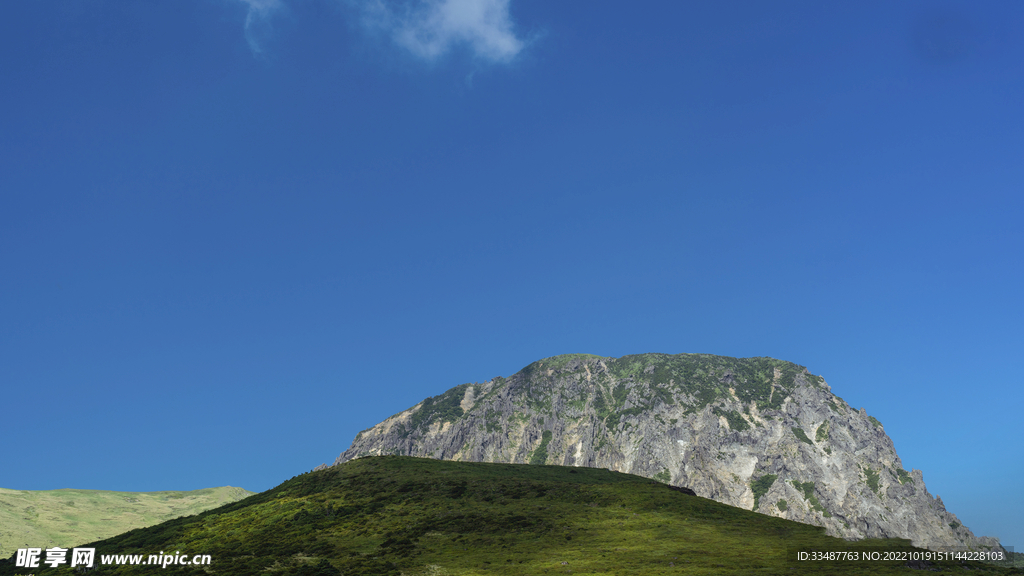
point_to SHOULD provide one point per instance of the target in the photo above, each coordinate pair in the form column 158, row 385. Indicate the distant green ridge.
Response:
column 67, row 518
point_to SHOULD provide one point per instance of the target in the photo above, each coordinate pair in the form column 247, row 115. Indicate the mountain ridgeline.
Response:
column 756, row 433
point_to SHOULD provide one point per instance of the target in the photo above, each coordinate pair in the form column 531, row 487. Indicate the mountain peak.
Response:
column 757, row 433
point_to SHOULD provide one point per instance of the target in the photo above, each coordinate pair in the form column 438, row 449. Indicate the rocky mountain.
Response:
column 756, row 433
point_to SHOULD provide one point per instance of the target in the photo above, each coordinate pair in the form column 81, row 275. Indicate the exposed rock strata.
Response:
column 723, row 427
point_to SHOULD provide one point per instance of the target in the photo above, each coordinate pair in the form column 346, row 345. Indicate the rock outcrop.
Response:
column 757, row 433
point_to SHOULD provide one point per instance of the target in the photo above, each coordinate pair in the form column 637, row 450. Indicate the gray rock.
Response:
column 724, row 427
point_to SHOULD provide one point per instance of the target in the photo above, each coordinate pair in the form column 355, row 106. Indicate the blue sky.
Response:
column 233, row 234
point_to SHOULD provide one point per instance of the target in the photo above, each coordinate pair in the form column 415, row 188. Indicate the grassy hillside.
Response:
column 399, row 515
column 46, row 518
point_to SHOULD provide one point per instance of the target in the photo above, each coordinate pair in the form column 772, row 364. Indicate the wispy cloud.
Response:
column 430, row 28
column 257, row 21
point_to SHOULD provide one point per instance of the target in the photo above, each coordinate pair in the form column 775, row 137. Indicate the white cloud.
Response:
column 257, row 21
column 430, row 28
column 427, row 28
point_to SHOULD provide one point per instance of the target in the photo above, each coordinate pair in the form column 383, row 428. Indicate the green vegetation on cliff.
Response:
column 761, row 486
column 708, row 378
column 540, row 455
column 646, row 381
column 802, row 436
column 871, row 478
column 822, row 433
column 736, row 422
column 560, row 362
column 443, row 408
column 808, row 489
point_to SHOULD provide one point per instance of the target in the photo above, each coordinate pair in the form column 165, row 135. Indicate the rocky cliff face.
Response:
column 757, row 433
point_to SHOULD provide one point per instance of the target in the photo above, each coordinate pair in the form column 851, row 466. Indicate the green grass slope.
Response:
column 46, row 518
column 399, row 515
